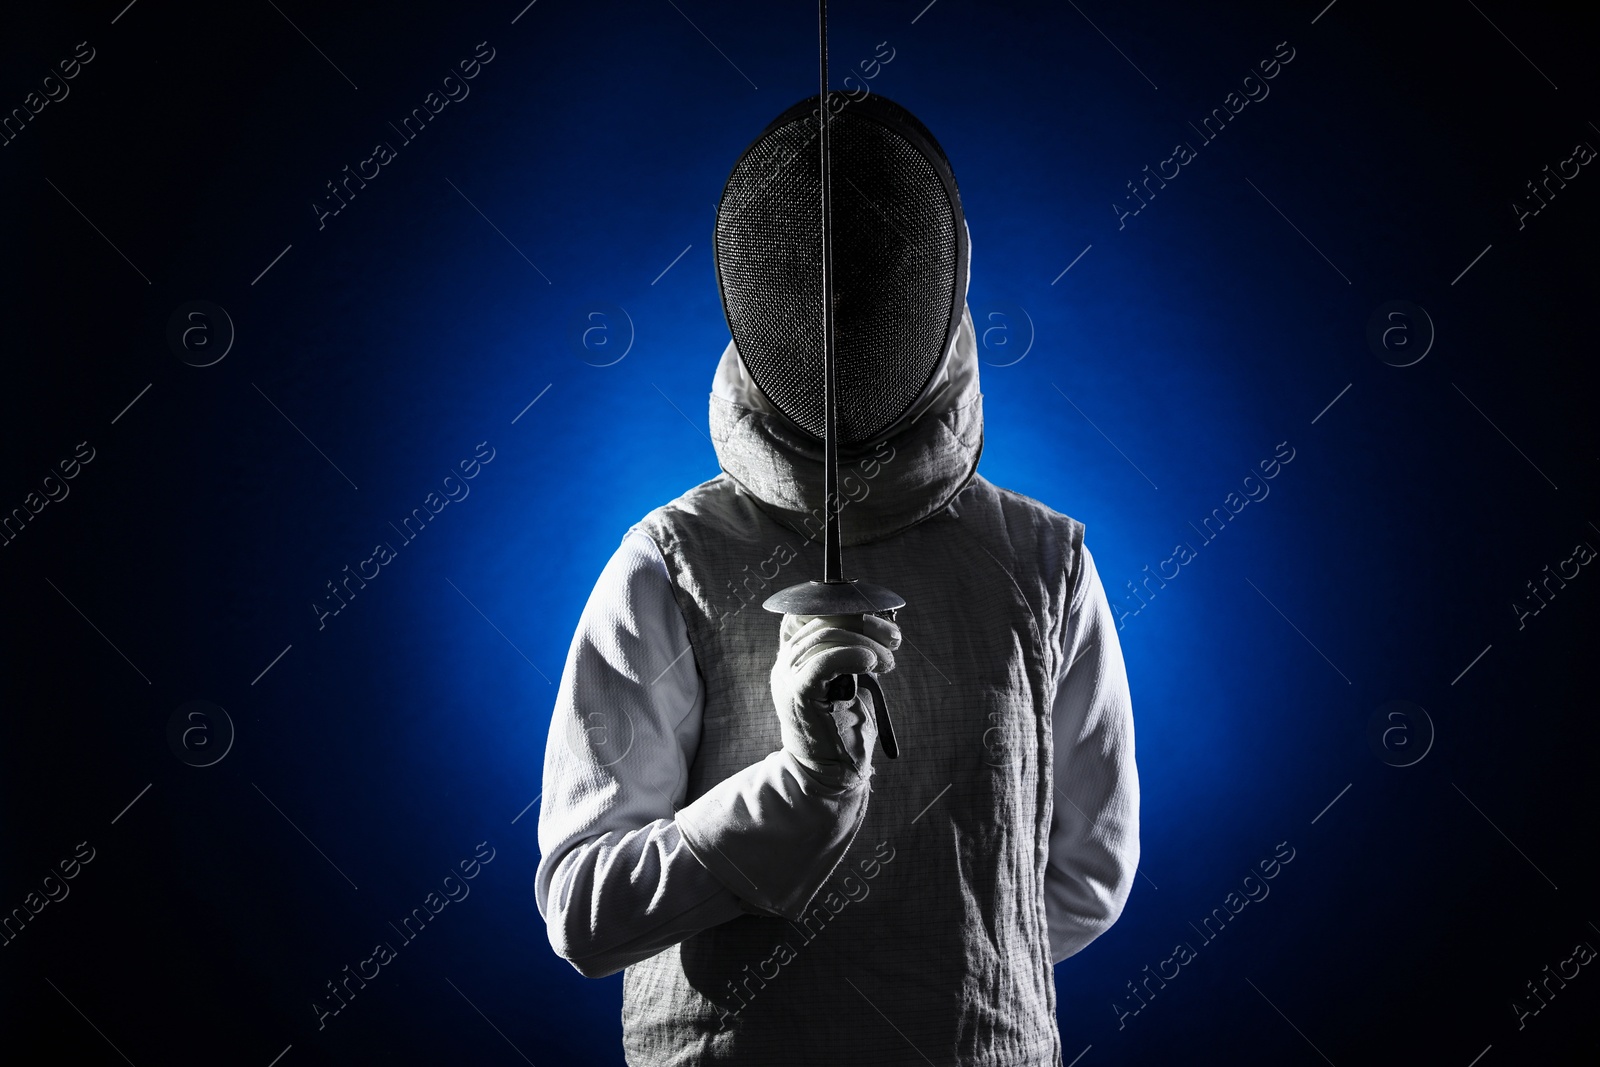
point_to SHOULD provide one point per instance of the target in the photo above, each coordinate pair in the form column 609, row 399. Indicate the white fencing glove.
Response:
column 776, row 830
column 832, row 739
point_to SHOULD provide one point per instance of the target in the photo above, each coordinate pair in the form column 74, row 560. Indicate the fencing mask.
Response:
column 899, row 261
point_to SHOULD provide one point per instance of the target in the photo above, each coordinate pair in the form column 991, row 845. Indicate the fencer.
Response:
column 778, row 891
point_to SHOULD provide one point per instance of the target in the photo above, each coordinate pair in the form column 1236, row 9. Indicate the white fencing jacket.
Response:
column 673, row 859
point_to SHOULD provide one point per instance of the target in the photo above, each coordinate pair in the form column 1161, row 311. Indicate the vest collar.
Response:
column 887, row 486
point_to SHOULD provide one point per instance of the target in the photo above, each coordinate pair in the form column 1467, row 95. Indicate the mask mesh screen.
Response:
column 895, row 258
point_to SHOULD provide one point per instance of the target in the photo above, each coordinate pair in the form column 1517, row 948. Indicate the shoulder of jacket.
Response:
column 1034, row 537
column 715, row 504
column 1016, row 507
column 694, row 501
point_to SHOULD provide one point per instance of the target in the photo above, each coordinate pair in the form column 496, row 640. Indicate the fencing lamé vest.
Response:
column 929, row 940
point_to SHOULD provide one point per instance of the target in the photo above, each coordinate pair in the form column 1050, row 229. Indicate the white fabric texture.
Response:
column 617, row 881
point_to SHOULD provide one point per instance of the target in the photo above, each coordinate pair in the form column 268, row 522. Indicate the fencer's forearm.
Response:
column 772, row 834
column 1088, row 889
column 1094, row 832
column 623, row 897
column 1094, row 838
column 769, row 835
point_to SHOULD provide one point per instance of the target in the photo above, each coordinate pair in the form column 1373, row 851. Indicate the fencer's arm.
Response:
column 617, row 882
column 1094, row 830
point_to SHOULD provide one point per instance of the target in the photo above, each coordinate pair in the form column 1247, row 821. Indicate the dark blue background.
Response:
column 1197, row 337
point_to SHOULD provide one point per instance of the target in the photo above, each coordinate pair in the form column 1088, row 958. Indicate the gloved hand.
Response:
column 776, row 830
column 832, row 740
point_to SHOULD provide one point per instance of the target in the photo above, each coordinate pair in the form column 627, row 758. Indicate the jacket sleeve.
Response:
column 1094, row 829
column 616, row 883
column 626, row 868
